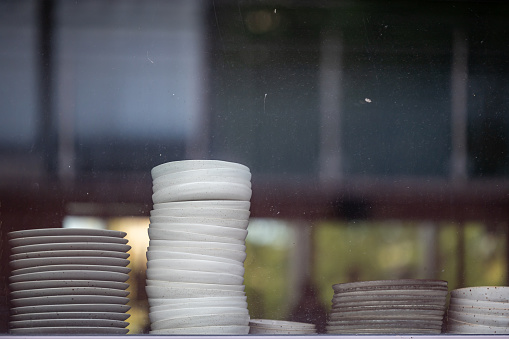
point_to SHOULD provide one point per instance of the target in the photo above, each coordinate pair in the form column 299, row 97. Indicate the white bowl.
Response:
column 193, row 311
column 239, row 256
column 196, row 265
column 210, row 212
column 173, row 284
column 194, row 276
column 174, row 244
column 233, row 204
column 205, row 330
column 483, row 293
column 187, row 165
column 479, row 319
column 218, row 231
column 157, row 296
column 156, row 255
column 203, row 191
column 155, row 233
column 201, row 301
column 157, row 216
column 241, row 319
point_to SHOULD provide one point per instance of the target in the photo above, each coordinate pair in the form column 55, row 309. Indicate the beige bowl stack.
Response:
column 479, row 310
column 408, row 306
column 196, row 253
column 269, row 327
column 68, row 281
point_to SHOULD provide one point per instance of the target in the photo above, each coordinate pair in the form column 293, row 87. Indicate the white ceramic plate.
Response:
column 70, row 275
column 281, row 324
column 159, row 230
column 461, row 327
column 271, row 331
column 43, row 232
column 479, row 303
column 67, row 322
column 68, row 330
column 163, row 234
column 194, row 311
column 174, row 244
column 34, row 262
column 204, row 330
column 157, row 296
column 158, row 255
column 239, row 256
column 187, row 165
column 410, row 293
column 239, row 205
column 197, row 303
column 204, row 212
column 42, row 292
column 483, row 293
column 71, row 315
column 217, row 301
column 378, row 303
column 197, row 265
column 391, row 284
column 203, row 174
column 160, row 216
column 479, row 310
column 385, row 330
column 95, row 246
column 194, row 276
column 168, row 183
column 388, row 314
column 203, row 191
column 385, row 298
column 69, row 299
column 71, row 308
column 64, row 239
column 224, row 319
column 64, row 283
column 479, row 319
column 69, row 253
column 50, row 268
column 169, row 284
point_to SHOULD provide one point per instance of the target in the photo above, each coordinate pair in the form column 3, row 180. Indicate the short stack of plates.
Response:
column 195, row 259
column 267, row 326
column 68, row 281
column 479, row 310
column 407, row 306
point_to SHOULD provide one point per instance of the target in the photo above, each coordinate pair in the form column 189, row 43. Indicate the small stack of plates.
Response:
column 195, row 259
column 266, row 326
column 68, row 281
column 407, row 306
column 479, row 310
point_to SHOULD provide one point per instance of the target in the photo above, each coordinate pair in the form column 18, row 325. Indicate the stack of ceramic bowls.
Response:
column 195, row 259
column 405, row 306
column 68, row 281
column 266, row 326
column 479, row 310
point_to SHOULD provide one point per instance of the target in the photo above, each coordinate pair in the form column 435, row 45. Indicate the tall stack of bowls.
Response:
column 196, row 253
column 68, row 281
column 479, row 310
column 276, row 327
column 407, row 306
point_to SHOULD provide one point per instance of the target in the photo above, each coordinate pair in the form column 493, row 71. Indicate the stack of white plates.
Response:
column 407, row 306
column 195, row 259
column 479, row 310
column 68, row 281
column 267, row 326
